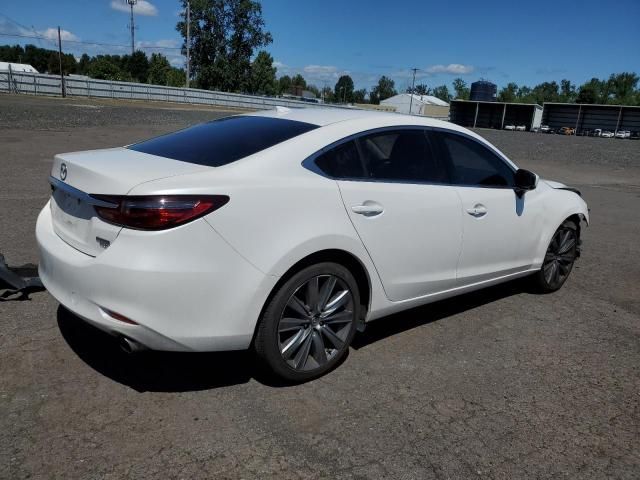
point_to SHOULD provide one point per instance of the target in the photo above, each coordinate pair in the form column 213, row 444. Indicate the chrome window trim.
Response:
column 74, row 192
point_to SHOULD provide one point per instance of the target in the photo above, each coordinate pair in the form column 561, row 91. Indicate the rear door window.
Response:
column 223, row 141
column 342, row 162
column 401, row 155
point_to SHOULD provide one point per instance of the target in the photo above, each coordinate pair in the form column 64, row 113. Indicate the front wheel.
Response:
column 309, row 323
column 559, row 258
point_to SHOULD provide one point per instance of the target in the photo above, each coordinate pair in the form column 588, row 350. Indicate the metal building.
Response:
column 468, row 113
column 427, row 105
column 592, row 116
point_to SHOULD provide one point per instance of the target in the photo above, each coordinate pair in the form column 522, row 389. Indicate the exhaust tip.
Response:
column 130, row 346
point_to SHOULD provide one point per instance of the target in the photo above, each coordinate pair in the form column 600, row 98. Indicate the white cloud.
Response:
column 52, row 34
column 143, row 7
column 170, row 48
column 451, row 69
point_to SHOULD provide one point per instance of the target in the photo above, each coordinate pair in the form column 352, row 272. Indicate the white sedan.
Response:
column 286, row 231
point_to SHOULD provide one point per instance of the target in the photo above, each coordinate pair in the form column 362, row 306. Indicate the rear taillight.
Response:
column 157, row 212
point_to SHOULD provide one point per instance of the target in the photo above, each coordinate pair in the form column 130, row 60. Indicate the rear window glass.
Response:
column 223, row 141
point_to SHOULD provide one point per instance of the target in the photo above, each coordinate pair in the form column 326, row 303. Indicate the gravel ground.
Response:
column 498, row 384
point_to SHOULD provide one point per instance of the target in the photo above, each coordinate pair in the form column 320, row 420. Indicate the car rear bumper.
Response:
column 186, row 289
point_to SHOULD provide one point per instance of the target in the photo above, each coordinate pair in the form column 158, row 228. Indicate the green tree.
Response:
column 284, row 85
column 360, row 96
column 343, row 89
column 546, row 92
column 176, row 77
column 263, row 75
column 420, row 89
column 509, row 93
column 224, row 35
column 460, row 88
column 137, row 65
column 327, row 94
column 384, row 89
column 159, row 69
column 442, row 92
column 623, row 87
column 69, row 63
column 568, row 92
column 104, row 68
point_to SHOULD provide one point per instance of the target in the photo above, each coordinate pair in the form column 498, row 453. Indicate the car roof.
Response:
column 323, row 116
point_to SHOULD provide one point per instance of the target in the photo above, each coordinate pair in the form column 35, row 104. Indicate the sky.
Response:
column 526, row 42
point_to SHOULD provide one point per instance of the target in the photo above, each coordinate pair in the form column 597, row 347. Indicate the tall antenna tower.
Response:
column 132, row 26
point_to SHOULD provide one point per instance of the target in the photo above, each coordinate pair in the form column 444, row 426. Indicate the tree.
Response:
column 69, row 63
column 623, row 87
column 567, row 91
column 546, row 92
column 159, row 69
column 176, row 77
column 420, row 89
column 384, row 89
column 509, row 93
column 137, row 65
column 104, row 68
column 360, row 96
column 327, row 94
column 263, row 75
column 284, row 84
column 313, row 89
column 442, row 92
column 343, row 89
column 83, row 64
column 461, row 89
column 224, row 34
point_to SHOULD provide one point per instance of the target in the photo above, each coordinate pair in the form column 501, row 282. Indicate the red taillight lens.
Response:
column 158, row 212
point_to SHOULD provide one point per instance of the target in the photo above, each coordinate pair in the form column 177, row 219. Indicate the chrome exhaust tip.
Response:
column 131, row 346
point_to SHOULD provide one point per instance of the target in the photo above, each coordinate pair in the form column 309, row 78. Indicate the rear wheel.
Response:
column 309, row 323
column 559, row 258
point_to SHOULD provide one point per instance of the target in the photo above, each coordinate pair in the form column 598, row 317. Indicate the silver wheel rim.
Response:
column 315, row 322
column 559, row 257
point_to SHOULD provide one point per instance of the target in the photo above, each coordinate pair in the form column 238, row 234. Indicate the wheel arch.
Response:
column 341, row 257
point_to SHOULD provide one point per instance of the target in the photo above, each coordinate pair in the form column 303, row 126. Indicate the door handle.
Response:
column 368, row 209
column 477, row 211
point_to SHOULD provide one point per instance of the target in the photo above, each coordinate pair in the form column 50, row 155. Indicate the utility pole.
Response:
column 188, row 40
column 132, row 26
column 64, row 90
column 413, row 85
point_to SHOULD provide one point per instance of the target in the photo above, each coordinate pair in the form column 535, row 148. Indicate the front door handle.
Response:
column 477, row 211
column 368, row 209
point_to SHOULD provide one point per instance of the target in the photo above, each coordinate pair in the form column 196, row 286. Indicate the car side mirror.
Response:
column 524, row 181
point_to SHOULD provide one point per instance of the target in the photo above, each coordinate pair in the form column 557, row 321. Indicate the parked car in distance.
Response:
column 607, row 134
column 521, row 128
column 634, row 136
column 597, row 132
column 544, row 128
column 567, row 131
column 289, row 243
column 623, row 134
column 510, row 127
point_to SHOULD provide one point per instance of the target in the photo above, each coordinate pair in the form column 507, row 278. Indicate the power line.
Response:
column 139, row 47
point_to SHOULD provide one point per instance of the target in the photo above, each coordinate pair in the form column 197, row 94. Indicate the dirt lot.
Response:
column 498, row 384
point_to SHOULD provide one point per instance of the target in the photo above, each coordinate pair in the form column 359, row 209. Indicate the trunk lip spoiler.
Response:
column 74, row 192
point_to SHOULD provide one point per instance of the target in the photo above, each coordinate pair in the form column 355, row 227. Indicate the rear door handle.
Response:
column 477, row 211
column 368, row 209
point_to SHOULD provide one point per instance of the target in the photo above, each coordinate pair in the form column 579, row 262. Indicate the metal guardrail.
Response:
column 51, row 85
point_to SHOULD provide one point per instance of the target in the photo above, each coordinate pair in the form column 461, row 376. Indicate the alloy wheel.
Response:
column 560, row 256
column 316, row 322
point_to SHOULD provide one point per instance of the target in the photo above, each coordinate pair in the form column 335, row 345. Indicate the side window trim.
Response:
column 310, row 162
column 443, row 150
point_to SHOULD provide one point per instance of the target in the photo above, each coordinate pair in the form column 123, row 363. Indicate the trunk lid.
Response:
column 113, row 171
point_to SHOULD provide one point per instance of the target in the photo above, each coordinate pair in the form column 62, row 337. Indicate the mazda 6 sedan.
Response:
column 286, row 231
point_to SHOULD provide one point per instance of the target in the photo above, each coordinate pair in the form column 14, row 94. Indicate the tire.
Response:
column 559, row 258
column 308, row 324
